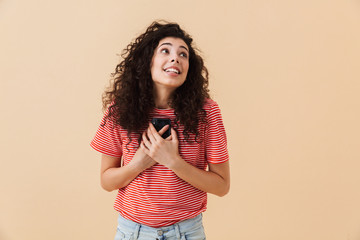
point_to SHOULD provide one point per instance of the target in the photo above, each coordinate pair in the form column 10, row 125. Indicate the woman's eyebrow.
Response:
column 171, row 45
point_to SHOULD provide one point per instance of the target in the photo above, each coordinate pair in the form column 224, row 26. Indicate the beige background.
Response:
column 285, row 74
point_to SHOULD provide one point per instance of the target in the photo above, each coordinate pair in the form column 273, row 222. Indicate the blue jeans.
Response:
column 190, row 229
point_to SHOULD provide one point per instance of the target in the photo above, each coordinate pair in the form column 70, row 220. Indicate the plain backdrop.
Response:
column 285, row 73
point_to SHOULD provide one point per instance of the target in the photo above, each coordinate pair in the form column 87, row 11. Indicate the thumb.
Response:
column 174, row 135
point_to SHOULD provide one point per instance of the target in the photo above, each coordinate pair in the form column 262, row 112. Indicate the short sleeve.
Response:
column 215, row 137
column 107, row 139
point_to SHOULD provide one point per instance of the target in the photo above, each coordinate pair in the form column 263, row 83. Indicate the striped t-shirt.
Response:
column 157, row 197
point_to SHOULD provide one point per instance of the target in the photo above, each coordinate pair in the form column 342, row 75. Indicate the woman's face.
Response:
column 170, row 63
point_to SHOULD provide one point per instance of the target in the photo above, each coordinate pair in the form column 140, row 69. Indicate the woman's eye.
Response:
column 183, row 55
column 164, row 51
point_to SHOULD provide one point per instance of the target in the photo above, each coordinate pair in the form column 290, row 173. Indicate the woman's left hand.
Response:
column 163, row 151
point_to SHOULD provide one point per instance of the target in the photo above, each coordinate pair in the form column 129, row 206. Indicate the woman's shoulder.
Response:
column 210, row 104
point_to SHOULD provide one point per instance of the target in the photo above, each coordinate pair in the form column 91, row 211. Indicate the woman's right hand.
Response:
column 113, row 176
column 141, row 160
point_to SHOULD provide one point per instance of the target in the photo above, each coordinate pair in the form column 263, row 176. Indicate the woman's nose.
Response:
column 174, row 59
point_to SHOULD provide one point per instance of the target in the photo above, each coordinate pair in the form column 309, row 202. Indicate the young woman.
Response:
column 162, row 183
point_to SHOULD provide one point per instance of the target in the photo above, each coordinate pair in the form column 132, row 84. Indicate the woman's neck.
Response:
column 162, row 98
column 162, row 103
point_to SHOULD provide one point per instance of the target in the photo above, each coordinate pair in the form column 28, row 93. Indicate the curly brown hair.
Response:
column 130, row 95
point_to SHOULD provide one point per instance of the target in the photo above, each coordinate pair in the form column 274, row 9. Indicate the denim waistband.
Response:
column 180, row 227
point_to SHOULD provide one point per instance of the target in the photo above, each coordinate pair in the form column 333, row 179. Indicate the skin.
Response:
column 170, row 53
column 153, row 148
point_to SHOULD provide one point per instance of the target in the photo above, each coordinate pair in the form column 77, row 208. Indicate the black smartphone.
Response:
column 159, row 123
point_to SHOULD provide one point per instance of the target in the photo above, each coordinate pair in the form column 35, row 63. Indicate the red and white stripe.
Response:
column 158, row 197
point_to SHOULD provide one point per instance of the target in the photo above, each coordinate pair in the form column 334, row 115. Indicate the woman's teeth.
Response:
column 172, row 70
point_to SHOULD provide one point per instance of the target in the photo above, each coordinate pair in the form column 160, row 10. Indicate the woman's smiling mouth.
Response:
column 172, row 70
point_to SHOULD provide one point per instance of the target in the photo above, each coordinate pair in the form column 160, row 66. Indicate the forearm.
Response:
column 119, row 177
column 206, row 181
column 113, row 176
